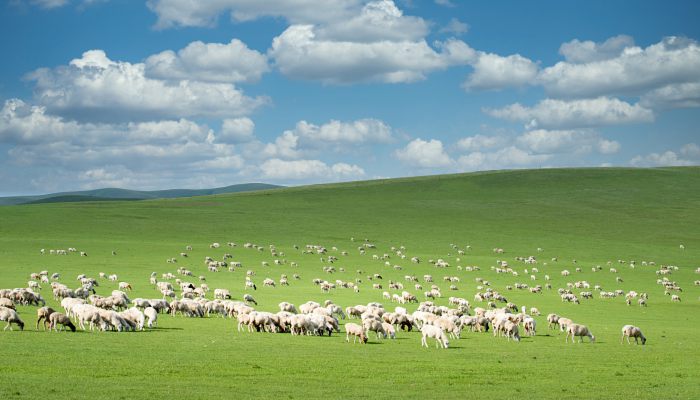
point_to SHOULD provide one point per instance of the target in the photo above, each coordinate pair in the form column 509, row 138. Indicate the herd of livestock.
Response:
column 182, row 293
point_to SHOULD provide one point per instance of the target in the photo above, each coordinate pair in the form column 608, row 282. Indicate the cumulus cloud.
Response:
column 232, row 62
column 52, row 151
column 94, row 87
column 48, row 4
column 635, row 70
column 378, row 20
column 236, row 130
column 508, row 157
column 424, row 154
column 480, row 142
column 689, row 155
column 455, row 27
column 681, row 95
column 542, row 141
column 553, row 113
column 284, row 145
column 581, row 52
column 359, row 131
column 174, row 13
column 299, row 53
column 280, row 170
column 492, row 71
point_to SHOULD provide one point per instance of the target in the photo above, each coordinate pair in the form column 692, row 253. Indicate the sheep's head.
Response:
column 644, row 340
column 21, row 325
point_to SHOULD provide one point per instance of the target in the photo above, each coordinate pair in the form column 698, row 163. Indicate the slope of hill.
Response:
column 125, row 194
column 569, row 219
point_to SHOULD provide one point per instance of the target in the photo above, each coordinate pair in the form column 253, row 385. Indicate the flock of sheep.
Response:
column 83, row 308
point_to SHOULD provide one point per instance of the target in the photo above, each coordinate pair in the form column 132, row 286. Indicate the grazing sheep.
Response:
column 632, row 331
column 389, row 329
column 43, row 313
column 152, row 315
column 434, row 332
column 5, row 302
column 249, row 299
column 511, row 330
column 58, row 318
column 356, row 331
column 288, row 307
column 10, row 316
column 675, row 298
column 578, row 330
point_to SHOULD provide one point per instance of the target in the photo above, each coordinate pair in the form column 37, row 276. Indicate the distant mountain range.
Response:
column 114, row 194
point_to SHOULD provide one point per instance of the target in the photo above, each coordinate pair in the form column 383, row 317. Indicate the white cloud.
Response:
column 424, row 154
column 279, row 170
column 173, row 13
column 542, row 141
column 48, row 4
column 377, row 21
column 455, row 27
column 492, row 71
column 578, row 52
column 298, row 53
column 446, row 3
column 284, row 146
column 48, row 152
column 96, row 88
column 480, row 142
column 236, row 130
column 634, row 71
column 551, row 113
column 209, row 62
column 665, row 159
column 691, row 150
column 359, row 131
column 508, row 157
column 681, row 95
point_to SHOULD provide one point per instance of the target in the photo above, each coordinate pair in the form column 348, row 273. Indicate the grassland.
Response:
column 589, row 215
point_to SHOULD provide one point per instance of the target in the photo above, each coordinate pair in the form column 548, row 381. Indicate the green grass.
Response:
column 590, row 215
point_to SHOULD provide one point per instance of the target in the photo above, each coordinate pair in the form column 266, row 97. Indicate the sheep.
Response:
column 356, row 331
column 58, row 318
column 288, row 307
column 632, row 331
column 5, row 302
column 578, row 330
column 675, row 298
column 553, row 320
column 374, row 325
column 389, row 329
column 134, row 316
column 511, row 330
column 152, row 316
column 249, row 299
column 10, row 316
column 434, row 332
column 564, row 324
column 43, row 313
column 530, row 326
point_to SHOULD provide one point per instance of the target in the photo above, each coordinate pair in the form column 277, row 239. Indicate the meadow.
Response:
column 581, row 217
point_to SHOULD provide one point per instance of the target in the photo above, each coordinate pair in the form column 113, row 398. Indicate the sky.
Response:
column 182, row 94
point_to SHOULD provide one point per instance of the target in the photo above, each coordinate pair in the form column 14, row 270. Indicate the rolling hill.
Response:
column 112, row 194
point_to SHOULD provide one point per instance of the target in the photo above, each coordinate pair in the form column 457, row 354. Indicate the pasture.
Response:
column 597, row 217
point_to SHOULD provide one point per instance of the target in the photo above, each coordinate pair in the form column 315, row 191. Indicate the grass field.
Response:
column 589, row 215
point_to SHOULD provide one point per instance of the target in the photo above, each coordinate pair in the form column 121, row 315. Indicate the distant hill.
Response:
column 116, row 194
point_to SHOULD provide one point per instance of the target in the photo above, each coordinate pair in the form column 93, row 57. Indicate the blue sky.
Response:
column 164, row 93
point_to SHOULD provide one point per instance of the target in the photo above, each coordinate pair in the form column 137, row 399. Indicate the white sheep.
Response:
column 356, row 331
column 577, row 330
column 11, row 317
column 152, row 315
column 632, row 331
column 434, row 332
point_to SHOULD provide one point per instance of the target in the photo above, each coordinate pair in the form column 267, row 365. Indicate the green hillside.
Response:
column 108, row 194
column 579, row 218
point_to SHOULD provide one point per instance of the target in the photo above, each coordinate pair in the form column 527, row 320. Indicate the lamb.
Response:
column 124, row 286
column 356, row 331
column 632, row 331
column 578, row 330
column 152, row 315
column 43, row 313
column 434, row 332
column 58, row 318
column 10, row 316
column 249, row 299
